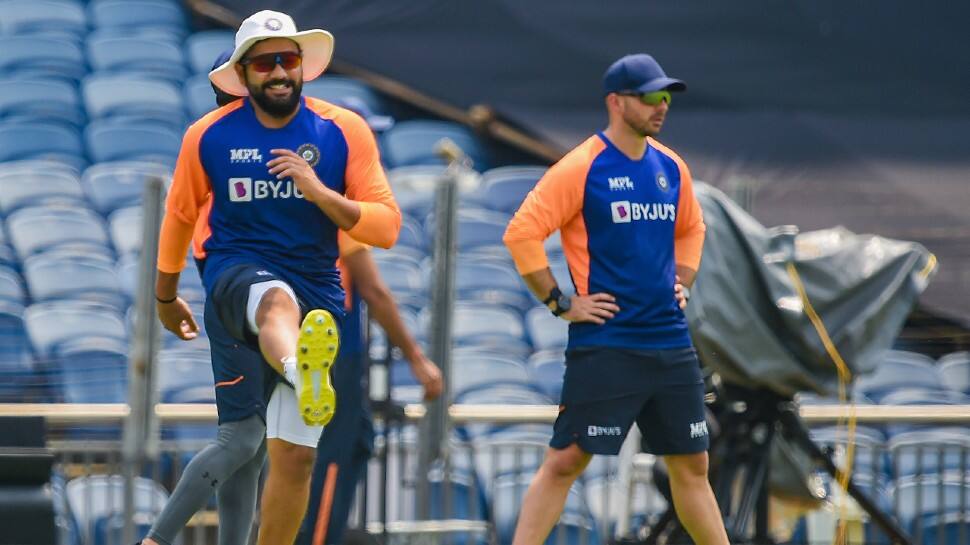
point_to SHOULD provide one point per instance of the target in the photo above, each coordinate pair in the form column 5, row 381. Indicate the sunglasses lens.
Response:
column 289, row 61
column 268, row 62
column 655, row 98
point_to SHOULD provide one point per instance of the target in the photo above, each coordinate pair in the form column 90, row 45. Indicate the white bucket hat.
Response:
column 316, row 45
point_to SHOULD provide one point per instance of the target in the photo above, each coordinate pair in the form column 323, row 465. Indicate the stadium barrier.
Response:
column 474, row 496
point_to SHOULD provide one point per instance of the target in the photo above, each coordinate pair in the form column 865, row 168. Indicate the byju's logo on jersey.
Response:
column 245, row 155
column 246, row 189
column 621, row 211
column 626, row 211
column 600, row 431
column 620, row 183
column 240, row 189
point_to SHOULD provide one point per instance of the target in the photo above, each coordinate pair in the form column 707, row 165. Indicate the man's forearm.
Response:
column 344, row 212
column 166, row 286
column 686, row 275
column 540, row 283
column 383, row 309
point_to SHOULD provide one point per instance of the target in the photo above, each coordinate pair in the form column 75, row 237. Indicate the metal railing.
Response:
column 479, row 487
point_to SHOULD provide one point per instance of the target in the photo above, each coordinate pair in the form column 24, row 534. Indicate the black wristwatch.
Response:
column 563, row 302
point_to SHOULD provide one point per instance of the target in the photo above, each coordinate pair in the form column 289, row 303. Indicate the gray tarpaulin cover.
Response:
column 747, row 318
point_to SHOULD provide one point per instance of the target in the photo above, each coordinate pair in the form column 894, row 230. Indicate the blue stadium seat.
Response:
column 929, row 451
column 32, row 100
column 490, row 282
column 504, row 188
column 125, row 226
column 955, row 369
column 478, row 228
column 414, row 186
column 113, row 185
column 919, row 396
column 336, row 89
column 30, row 57
column 11, row 287
column 155, row 58
column 20, row 189
column 399, row 274
column 546, row 371
column 198, row 97
column 148, row 142
column 40, row 228
column 575, row 525
column 899, row 370
column 52, row 324
column 97, row 503
column 470, row 373
column 53, row 276
column 124, row 99
column 15, row 350
column 202, row 48
column 499, row 394
column 181, row 372
column 870, row 453
column 40, row 141
column 502, row 453
column 91, row 369
column 161, row 15
column 547, row 332
column 932, row 499
column 63, row 19
column 412, row 235
column 486, row 327
column 413, row 143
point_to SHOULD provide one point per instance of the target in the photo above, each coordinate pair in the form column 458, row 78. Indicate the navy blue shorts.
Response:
column 244, row 381
column 606, row 389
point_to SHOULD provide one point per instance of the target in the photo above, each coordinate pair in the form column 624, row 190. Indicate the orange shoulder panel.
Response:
column 365, row 181
column 556, row 202
column 689, row 226
column 187, row 196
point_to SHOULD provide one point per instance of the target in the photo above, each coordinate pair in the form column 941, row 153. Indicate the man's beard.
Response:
column 642, row 128
column 279, row 108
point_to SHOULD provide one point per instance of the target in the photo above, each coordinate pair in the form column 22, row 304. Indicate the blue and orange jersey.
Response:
column 226, row 202
column 624, row 225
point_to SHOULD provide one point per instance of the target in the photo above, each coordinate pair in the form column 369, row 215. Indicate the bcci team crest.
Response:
column 273, row 24
column 662, row 182
column 309, row 153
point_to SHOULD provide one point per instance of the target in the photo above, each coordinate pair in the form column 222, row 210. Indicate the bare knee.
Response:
column 567, row 463
column 687, row 468
column 276, row 305
column 291, row 462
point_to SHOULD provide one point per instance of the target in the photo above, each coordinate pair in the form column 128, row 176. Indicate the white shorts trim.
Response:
column 256, row 293
column 283, row 420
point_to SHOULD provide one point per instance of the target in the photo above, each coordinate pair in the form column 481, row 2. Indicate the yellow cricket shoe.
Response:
column 317, row 348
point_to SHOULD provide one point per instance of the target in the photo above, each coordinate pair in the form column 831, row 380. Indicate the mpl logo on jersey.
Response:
column 246, row 189
column 626, row 211
column 245, row 155
column 620, row 183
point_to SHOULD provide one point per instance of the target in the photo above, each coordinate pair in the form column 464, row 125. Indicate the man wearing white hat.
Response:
column 261, row 187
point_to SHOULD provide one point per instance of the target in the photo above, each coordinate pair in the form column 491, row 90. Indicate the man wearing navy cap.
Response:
column 633, row 233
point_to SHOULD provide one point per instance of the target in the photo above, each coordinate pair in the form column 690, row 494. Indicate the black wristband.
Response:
column 166, row 301
column 553, row 295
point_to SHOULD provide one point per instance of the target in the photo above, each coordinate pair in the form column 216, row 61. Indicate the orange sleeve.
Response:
column 689, row 226
column 187, row 195
column 348, row 245
column 554, row 202
column 366, row 183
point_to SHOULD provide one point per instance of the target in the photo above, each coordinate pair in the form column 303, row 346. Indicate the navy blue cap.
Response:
column 639, row 73
column 223, row 58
